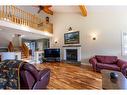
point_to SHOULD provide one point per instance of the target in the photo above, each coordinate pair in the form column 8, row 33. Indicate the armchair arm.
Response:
column 43, row 79
column 42, row 73
column 123, row 66
column 40, row 85
column 93, row 61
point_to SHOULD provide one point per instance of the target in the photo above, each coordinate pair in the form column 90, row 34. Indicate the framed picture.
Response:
column 71, row 38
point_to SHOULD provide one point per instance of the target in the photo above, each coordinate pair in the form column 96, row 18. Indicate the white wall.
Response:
column 17, row 40
column 4, row 38
column 107, row 22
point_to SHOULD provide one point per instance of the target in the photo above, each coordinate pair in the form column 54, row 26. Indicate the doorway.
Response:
column 31, row 46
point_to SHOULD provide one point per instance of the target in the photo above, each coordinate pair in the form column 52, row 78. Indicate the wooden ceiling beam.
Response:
column 47, row 10
column 83, row 10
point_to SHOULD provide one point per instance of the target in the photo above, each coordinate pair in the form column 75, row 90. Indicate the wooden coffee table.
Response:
column 121, row 82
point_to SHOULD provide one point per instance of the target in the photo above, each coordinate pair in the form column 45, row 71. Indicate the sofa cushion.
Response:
column 106, row 59
column 108, row 66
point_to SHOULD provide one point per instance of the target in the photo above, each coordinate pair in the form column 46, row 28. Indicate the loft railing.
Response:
column 21, row 17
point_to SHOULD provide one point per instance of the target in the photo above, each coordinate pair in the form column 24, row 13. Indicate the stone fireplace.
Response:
column 72, row 53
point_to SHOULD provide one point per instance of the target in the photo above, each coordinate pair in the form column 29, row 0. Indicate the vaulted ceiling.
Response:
column 50, row 9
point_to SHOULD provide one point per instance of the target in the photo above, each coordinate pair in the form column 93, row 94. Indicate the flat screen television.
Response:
column 71, row 38
column 51, row 53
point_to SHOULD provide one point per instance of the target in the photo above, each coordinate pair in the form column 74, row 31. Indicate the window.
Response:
column 124, row 43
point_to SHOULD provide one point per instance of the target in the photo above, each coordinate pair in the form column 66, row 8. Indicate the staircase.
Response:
column 23, row 49
column 23, row 56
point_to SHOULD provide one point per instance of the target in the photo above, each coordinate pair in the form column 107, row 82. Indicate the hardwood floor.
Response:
column 67, row 76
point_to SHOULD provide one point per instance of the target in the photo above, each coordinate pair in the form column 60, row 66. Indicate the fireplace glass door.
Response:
column 71, row 54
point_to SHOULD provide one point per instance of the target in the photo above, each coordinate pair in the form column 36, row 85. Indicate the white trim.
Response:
column 23, row 28
column 123, row 44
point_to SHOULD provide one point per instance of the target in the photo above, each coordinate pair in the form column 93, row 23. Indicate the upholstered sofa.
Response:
column 100, row 62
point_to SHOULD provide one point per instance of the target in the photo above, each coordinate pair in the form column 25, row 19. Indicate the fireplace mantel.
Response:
column 72, row 46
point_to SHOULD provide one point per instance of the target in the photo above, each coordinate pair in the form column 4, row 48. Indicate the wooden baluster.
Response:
column 24, row 18
column 13, row 19
column 28, row 24
column 0, row 12
column 37, row 21
column 11, row 13
column 27, row 16
column 34, row 21
column 30, row 19
column 27, row 19
column 21, row 17
column 8, row 11
column 3, row 12
column 15, row 13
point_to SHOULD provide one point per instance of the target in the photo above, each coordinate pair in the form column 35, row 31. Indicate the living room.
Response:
column 101, row 32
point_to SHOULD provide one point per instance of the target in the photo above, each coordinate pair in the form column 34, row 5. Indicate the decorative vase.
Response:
column 113, row 77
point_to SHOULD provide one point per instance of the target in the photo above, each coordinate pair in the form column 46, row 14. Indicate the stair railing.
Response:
column 25, row 50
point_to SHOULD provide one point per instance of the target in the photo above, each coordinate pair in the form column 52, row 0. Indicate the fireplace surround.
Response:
column 72, row 53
